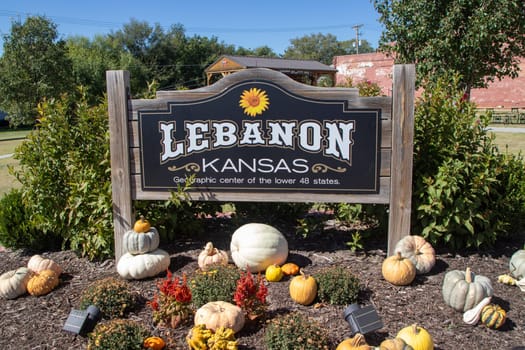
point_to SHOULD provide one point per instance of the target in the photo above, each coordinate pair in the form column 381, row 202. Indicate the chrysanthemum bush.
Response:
column 214, row 285
column 118, row 334
column 337, row 286
column 112, row 296
column 295, row 331
column 172, row 304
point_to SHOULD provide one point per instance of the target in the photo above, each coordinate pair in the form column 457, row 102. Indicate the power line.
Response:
column 109, row 24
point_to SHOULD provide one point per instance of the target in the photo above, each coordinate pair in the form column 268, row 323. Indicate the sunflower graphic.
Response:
column 254, row 101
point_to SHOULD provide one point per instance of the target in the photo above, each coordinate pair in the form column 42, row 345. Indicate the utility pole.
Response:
column 356, row 28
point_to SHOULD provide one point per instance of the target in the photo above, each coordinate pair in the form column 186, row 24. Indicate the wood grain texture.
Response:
column 118, row 97
column 402, row 154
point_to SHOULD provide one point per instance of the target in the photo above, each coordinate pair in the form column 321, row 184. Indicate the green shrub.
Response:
column 178, row 215
column 337, row 285
column 465, row 192
column 65, row 175
column 17, row 231
column 118, row 334
column 217, row 284
column 112, row 296
column 295, row 331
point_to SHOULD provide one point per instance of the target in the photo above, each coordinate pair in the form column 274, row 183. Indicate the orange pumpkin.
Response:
column 290, row 269
column 398, row 270
column 357, row 342
column 303, row 289
column 42, row 283
column 154, row 343
column 141, row 225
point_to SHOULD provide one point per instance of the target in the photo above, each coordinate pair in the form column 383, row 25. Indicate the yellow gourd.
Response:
column 274, row 273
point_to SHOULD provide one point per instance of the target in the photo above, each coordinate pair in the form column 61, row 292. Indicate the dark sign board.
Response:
column 257, row 136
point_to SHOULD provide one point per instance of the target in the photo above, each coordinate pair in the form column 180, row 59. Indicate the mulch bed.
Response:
column 36, row 322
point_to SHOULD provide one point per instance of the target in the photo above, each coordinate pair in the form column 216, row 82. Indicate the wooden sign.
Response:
column 257, row 135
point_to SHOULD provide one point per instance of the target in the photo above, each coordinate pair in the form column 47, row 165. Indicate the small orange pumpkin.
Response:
column 42, row 283
column 154, row 343
column 357, row 342
column 303, row 289
column 141, row 225
column 290, row 269
column 398, row 270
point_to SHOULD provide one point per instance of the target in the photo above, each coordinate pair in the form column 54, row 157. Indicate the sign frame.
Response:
column 396, row 145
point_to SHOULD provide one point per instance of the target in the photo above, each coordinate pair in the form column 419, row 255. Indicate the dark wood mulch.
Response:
column 36, row 322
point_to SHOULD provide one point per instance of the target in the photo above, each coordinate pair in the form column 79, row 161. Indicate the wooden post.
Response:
column 118, row 98
column 402, row 154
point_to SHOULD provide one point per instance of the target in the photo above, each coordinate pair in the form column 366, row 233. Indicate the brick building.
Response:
column 377, row 67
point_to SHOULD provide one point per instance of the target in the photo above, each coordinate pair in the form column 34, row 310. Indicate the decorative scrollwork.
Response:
column 191, row 167
column 323, row 168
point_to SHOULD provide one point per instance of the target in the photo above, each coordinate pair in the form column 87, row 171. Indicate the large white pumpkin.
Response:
column 144, row 265
column 141, row 242
column 256, row 246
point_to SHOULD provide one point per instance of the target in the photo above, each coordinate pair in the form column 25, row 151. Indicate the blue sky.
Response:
column 249, row 24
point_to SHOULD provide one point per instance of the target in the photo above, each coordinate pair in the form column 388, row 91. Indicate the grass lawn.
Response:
column 9, row 139
column 511, row 142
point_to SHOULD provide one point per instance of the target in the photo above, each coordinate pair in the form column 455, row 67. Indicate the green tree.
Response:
column 34, row 65
column 322, row 48
column 169, row 57
column 479, row 39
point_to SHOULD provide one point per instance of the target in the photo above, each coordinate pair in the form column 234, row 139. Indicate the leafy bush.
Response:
column 111, row 295
column 118, row 334
column 295, row 331
column 177, row 214
column 16, row 230
column 465, row 192
column 368, row 88
column 337, row 285
column 65, row 175
column 217, row 284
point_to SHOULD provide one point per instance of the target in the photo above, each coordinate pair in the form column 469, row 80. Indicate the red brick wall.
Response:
column 377, row 68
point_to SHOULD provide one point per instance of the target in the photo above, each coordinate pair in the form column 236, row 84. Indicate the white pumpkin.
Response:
column 256, row 246
column 142, row 266
column 211, row 256
column 216, row 314
column 141, row 242
column 14, row 283
column 517, row 264
column 37, row 264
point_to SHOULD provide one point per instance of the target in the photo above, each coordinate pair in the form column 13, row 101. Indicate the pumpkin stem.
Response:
column 399, row 256
column 468, row 275
column 302, row 273
column 414, row 328
column 209, row 248
column 358, row 340
column 142, row 218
